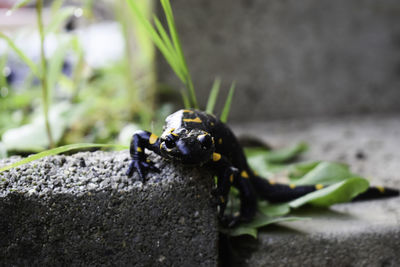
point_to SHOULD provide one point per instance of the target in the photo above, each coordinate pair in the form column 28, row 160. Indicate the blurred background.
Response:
column 99, row 71
column 105, row 79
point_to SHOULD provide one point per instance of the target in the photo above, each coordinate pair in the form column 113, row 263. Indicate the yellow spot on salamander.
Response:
column 292, row 186
column 222, row 199
column 139, row 149
column 188, row 111
column 153, row 138
column 231, row 178
column 381, row 189
column 211, row 123
column 244, row 174
column 197, row 119
column 220, row 141
column 319, row 186
column 174, row 134
column 271, row 182
column 216, row 156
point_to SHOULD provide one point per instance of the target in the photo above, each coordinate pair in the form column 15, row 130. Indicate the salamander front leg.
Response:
column 224, row 184
column 139, row 163
column 226, row 174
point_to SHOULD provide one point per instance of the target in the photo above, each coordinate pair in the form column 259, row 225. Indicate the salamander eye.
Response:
column 169, row 143
column 205, row 140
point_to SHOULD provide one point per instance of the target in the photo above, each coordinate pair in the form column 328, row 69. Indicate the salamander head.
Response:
column 192, row 146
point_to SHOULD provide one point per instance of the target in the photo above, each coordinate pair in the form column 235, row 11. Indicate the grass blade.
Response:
column 59, row 19
column 164, row 36
column 178, row 48
column 158, row 41
column 56, row 151
column 172, row 30
column 185, row 98
column 43, row 78
column 21, row 54
column 228, row 102
column 17, row 5
column 212, row 98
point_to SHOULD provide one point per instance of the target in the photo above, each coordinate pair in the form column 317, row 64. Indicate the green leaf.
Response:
column 32, row 136
column 263, row 167
column 22, row 55
column 242, row 230
column 279, row 155
column 273, row 210
column 286, row 154
column 268, row 162
column 228, row 102
column 326, row 173
column 337, row 193
column 298, row 170
column 259, row 221
column 212, row 98
column 56, row 151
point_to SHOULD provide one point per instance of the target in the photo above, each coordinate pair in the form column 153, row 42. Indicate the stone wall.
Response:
column 293, row 58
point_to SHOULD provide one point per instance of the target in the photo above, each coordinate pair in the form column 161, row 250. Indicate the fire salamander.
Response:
column 195, row 137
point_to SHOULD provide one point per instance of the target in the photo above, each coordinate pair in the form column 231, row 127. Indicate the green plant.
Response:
column 171, row 48
column 338, row 182
column 169, row 45
column 46, row 75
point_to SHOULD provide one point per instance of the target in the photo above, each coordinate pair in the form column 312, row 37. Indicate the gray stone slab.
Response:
column 353, row 234
column 293, row 58
column 82, row 210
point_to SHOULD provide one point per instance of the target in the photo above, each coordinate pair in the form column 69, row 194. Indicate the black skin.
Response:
column 197, row 138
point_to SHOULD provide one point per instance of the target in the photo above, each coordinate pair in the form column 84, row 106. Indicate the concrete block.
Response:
column 293, row 58
column 353, row 234
column 82, row 210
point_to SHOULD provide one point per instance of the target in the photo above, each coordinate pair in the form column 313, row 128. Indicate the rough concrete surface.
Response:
column 82, row 210
column 353, row 234
column 292, row 58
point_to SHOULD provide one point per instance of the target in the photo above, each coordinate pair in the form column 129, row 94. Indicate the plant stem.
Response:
column 192, row 92
column 43, row 80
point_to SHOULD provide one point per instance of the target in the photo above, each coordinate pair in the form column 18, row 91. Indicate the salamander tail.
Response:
column 275, row 192
column 375, row 192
